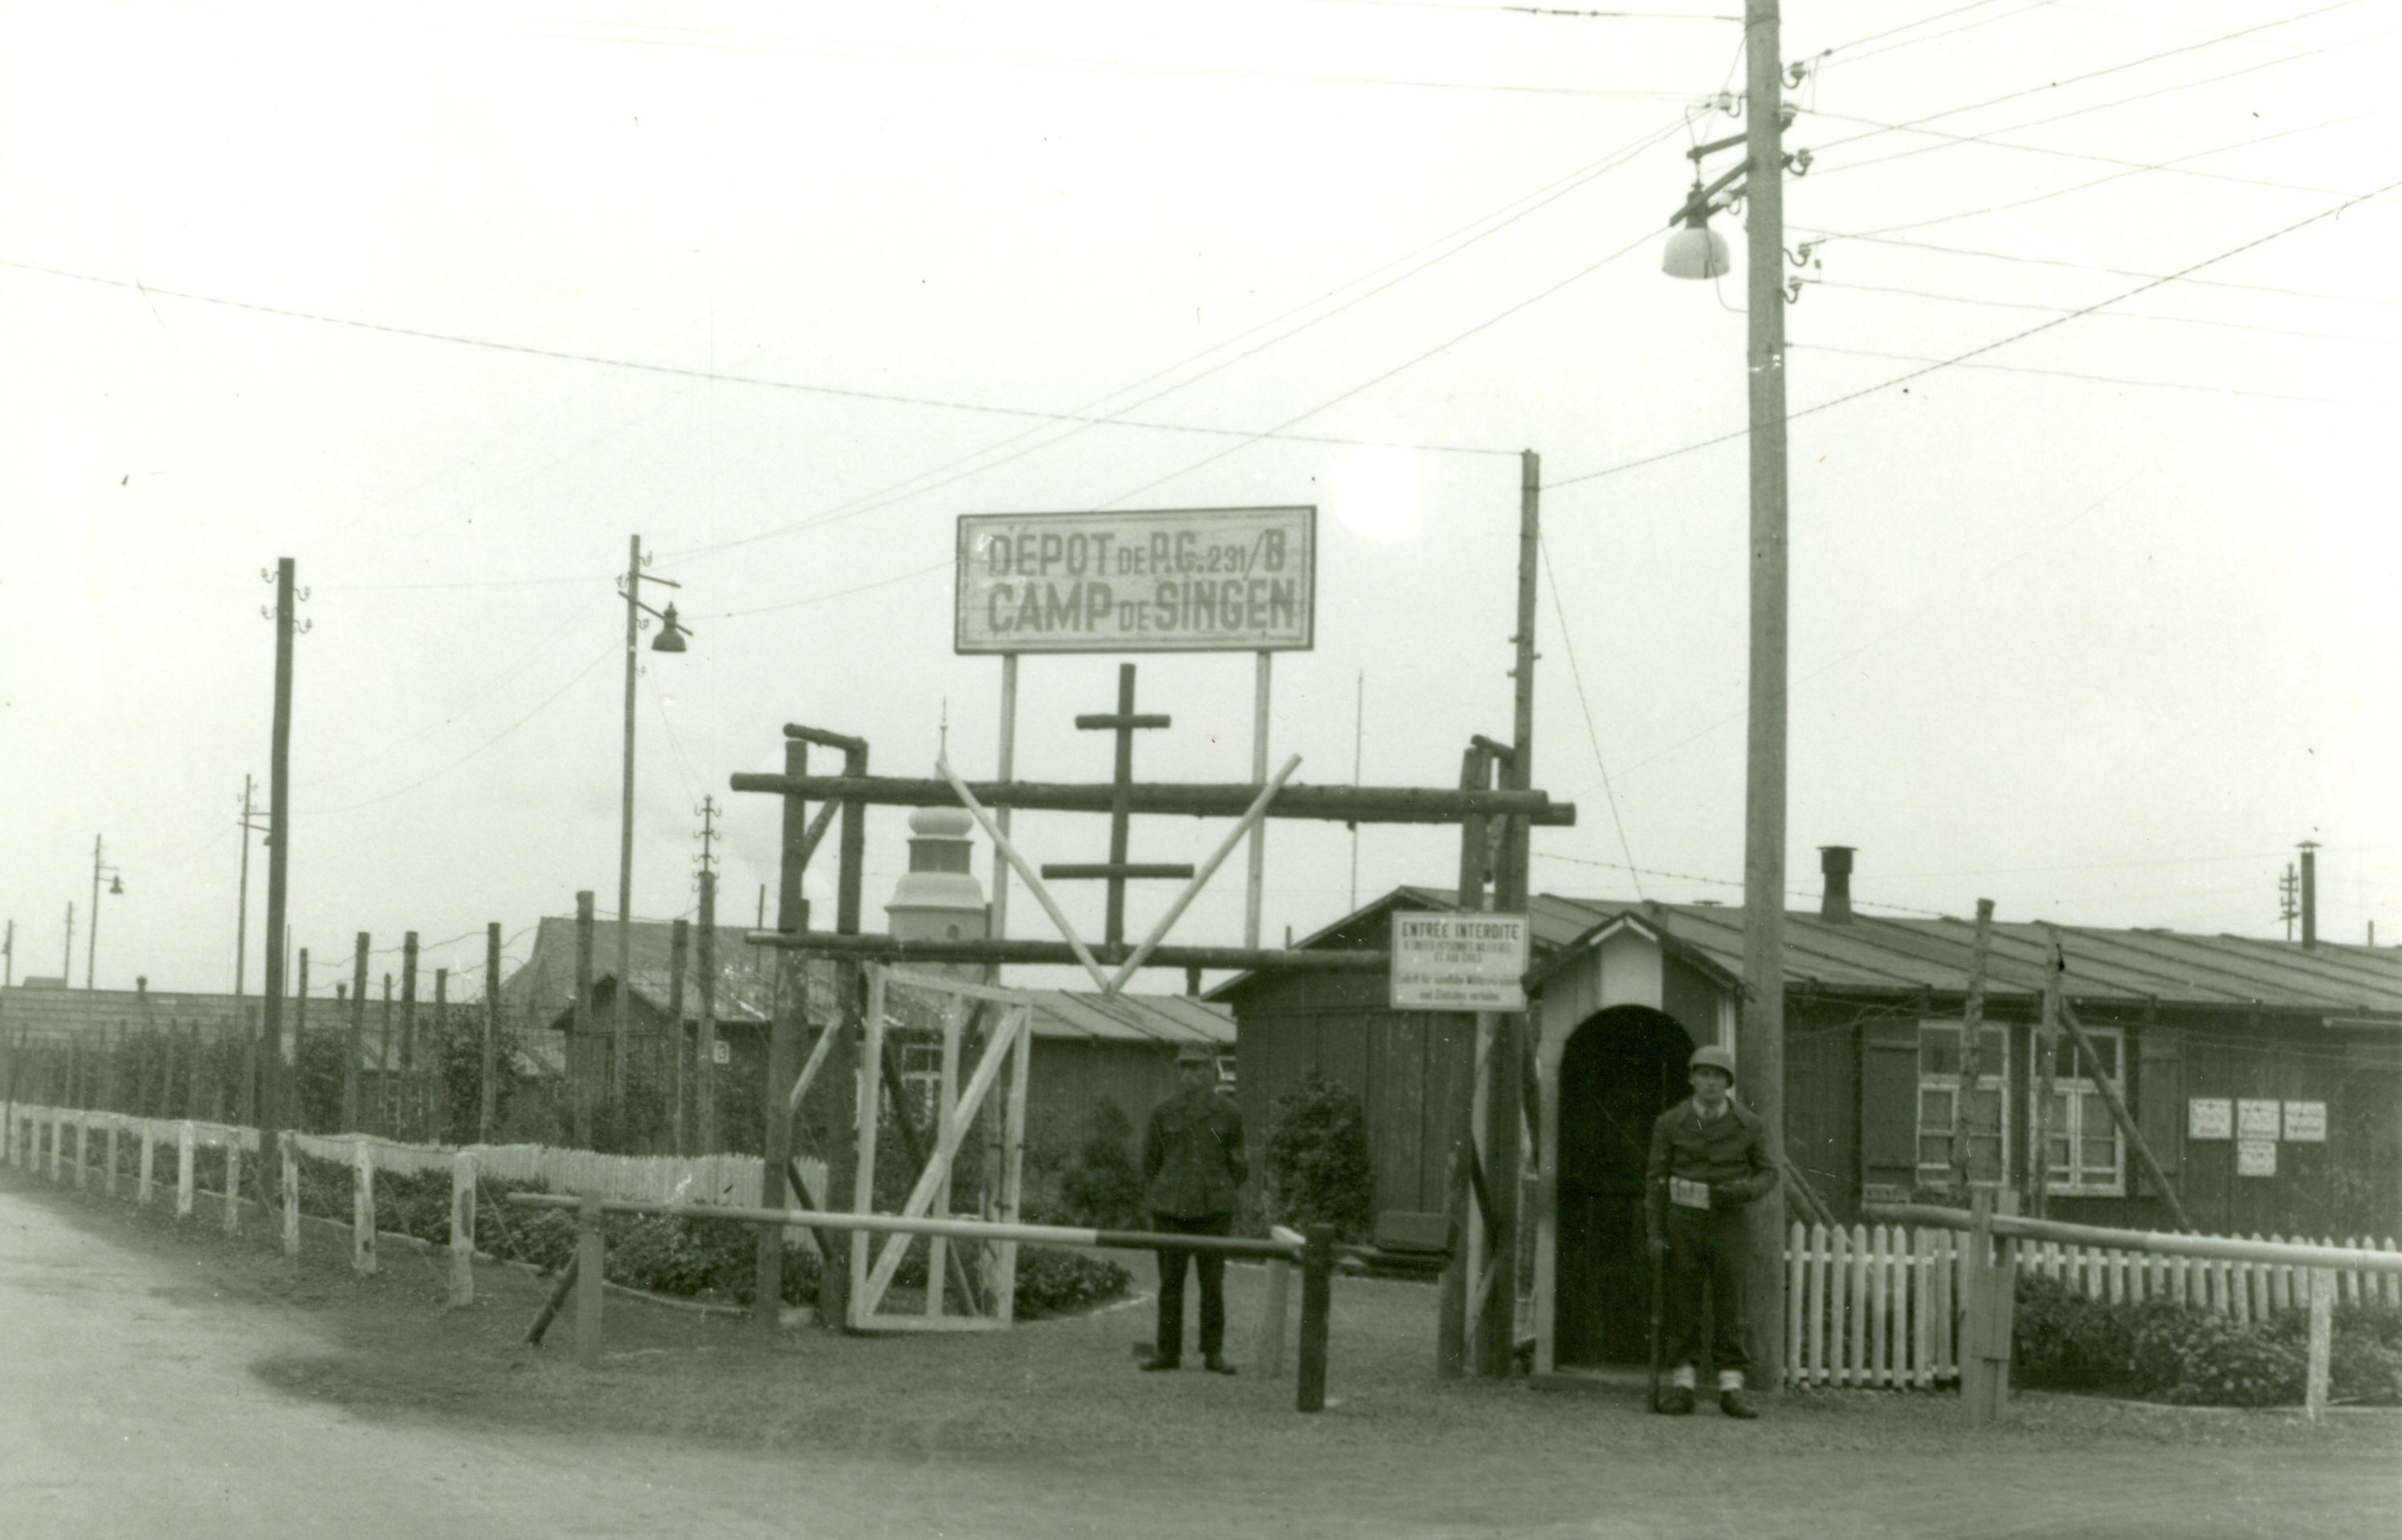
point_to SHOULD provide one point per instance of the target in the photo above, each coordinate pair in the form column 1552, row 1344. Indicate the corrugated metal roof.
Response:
column 1166, row 1019
column 1875, row 953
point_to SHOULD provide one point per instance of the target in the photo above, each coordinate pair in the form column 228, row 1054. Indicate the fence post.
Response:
column 1267, row 1350
column 363, row 1220
column 58, row 1145
column 185, row 1177
column 463, row 1228
column 83, row 1147
column 1317, row 1296
column 142, row 1177
column 291, row 1194
column 590, row 1252
column 108, row 1184
column 2314, row 1393
column 233, row 1183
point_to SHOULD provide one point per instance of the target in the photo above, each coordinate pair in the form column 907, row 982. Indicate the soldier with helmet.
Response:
column 1709, row 1161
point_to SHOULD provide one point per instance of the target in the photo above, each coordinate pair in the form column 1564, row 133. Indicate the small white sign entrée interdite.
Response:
column 2210, row 1118
column 1459, row 962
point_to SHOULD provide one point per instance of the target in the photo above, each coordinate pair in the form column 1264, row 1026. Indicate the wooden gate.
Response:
column 970, row 1285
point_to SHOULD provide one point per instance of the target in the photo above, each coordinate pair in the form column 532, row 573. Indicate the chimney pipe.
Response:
column 1835, row 865
column 2310, row 893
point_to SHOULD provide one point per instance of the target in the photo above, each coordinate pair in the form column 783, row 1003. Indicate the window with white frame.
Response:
column 2083, row 1150
column 921, row 1075
column 1948, row 1111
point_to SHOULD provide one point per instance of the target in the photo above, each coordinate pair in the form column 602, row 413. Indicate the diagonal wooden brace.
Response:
column 1034, row 882
column 1257, row 811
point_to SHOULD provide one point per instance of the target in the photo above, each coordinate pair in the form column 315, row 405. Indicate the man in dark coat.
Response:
column 1709, row 1159
column 1192, row 1167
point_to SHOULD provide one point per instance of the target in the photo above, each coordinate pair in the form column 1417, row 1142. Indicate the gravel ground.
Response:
column 1050, row 1426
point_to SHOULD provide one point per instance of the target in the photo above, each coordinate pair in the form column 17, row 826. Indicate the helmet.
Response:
column 1711, row 1056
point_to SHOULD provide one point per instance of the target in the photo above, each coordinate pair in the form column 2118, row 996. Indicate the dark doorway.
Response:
column 1621, row 1070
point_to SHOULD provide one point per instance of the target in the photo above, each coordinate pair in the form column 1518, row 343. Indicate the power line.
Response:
column 2105, row 379
column 2144, row 318
column 1489, row 322
column 1958, row 359
column 2116, row 272
column 2213, row 41
column 683, row 372
column 1455, row 240
column 1833, row 63
column 1593, row 734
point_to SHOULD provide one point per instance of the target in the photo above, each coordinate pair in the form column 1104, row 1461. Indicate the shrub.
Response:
column 1317, row 1158
column 2189, row 1353
column 1051, row 1282
column 1101, row 1184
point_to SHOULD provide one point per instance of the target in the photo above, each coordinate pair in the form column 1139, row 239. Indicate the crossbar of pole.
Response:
column 2158, row 1242
column 1326, row 803
column 823, row 737
column 1004, row 950
column 970, row 1229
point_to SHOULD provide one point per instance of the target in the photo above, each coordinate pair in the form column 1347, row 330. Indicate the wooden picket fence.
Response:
column 1873, row 1306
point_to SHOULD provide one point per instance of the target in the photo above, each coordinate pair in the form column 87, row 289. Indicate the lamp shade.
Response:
column 671, row 638
column 1695, row 251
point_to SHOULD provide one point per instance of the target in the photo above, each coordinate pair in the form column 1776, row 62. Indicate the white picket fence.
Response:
column 62, row 1140
column 1873, row 1305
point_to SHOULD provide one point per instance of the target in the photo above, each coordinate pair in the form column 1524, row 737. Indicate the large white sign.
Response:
column 1459, row 962
column 1196, row 579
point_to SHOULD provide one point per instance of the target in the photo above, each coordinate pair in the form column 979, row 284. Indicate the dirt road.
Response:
column 158, row 1380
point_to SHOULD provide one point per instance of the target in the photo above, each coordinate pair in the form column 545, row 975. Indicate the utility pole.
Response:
column 2289, row 909
column 279, row 856
column 492, row 1030
column 66, row 960
column 91, row 931
column 1759, row 1039
column 8, row 950
column 618, row 1029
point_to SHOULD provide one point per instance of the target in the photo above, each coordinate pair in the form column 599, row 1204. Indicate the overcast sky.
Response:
column 446, row 302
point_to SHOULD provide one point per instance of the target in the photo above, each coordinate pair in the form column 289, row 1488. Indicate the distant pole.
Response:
column 618, row 1029
column 407, row 1004
column 300, row 1038
column 492, row 1030
column 1760, row 1035
column 66, row 961
column 438, row 1035
column 385, row 1105
column 358, row 1037
column 785, row 1031
column 707, row 1049
column 680, row 942
column 241, row 899
column 579, row 1045
column 273, row 1114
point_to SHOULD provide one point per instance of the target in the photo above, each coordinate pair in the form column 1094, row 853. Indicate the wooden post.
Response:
column 363, row 1213
column 387, row 1097
column 679, row 942
column 142, row 1182
column 233, row 1184
column 705, row 1077
column 184, row 1134
column 1988, row 1286
column 843, row 1070
column 579, row 1040
column 2314, row 1393
column 292, row 1117
column 463, row 1229
column 83, row 1147
column 358, row 1036
column 108, row 1184
column 291, row 1198
column 2047, row 1057
column 789, row 1022
column 1972, row 1017
column 1466, row 1215
column 1317, row 1296
column 487, row 1107
column 590, row 1252
column 408, row 1017
column 436, row 1088
column 1267, row 1350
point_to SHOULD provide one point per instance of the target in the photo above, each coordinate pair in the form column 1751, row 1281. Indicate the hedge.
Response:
column 2163, row 1351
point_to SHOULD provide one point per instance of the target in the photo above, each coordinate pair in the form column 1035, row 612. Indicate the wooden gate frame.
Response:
column 1007, row 1051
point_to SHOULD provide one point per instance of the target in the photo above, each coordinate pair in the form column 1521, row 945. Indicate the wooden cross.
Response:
column 1117, row 868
